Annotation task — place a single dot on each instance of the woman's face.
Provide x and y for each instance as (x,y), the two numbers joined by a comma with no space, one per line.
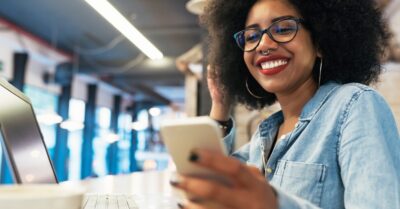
(289,65)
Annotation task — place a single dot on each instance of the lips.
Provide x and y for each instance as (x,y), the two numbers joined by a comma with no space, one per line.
(272,65)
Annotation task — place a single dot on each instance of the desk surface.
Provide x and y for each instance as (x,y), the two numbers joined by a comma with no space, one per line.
(151,182)
(149,186)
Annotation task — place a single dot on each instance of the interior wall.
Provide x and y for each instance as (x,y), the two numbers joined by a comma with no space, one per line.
(389,86)
(42,58)
(5,61)
(79,88)
(34,76)
(105,96)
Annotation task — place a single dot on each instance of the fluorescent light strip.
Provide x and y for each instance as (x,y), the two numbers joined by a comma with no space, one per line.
(116,19)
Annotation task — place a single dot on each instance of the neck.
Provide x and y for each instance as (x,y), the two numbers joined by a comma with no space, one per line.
(293,101)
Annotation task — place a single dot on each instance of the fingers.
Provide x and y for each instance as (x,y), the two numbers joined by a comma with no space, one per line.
(226,166)
(211,72)
(211,78)
(256,172)
(200,190)
(251,190)
(204,205)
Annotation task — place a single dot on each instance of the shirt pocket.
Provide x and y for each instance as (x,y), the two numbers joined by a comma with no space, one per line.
(305,180)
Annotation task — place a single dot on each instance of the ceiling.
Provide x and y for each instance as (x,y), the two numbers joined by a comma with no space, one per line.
(75,28)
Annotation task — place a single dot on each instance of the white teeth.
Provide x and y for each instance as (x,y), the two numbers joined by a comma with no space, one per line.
(272,64)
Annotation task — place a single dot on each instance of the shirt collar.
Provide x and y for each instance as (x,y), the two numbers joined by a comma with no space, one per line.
(270,126)
(319,98)
(309,110)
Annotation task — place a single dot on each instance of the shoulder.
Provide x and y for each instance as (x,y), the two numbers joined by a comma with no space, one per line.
(341,97)
(354,89)
(355,100)
(362,105)
(355,93)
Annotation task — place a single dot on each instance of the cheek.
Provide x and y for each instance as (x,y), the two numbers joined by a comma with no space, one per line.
(306,55)
(247,59)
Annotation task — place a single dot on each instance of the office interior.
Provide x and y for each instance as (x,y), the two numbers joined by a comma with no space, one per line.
(100,95)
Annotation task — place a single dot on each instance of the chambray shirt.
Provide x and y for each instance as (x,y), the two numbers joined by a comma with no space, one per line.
(344,152)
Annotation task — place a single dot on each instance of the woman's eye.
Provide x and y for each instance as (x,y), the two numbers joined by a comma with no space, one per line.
(284,30)
(252,37)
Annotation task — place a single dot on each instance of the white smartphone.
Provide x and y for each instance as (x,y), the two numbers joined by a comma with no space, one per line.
(182,136)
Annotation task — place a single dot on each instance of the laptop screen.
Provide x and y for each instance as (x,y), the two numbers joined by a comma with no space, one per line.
(22,140)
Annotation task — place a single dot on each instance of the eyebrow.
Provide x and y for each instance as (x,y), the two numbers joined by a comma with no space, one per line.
(281,17)
(272,21)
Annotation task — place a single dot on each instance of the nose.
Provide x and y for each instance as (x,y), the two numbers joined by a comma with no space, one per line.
(266,43)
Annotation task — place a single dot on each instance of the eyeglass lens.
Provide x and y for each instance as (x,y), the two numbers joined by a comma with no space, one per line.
(282,31)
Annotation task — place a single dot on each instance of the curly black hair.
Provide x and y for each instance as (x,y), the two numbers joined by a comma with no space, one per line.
(350,34)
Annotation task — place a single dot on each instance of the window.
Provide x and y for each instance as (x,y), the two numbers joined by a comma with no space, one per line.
(142,127)
(75,137)
(124,143)
(101,141)
(151,153)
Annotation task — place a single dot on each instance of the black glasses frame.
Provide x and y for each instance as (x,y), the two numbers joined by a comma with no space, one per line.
(237,35)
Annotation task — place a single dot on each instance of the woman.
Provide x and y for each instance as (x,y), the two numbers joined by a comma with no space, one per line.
(335,143)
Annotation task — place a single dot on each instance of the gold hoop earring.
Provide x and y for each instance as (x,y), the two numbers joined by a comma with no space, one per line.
(320,73)
(251,93)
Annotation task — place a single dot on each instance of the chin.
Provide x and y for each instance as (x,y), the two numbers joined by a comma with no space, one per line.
(272,86)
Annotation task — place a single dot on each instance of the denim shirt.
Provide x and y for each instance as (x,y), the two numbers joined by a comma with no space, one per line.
(344,152)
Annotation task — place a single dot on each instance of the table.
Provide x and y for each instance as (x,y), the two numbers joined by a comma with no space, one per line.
(152,188)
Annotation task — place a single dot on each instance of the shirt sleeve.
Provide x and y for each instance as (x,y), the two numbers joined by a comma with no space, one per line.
(242,153)
(229,139)
(369,154)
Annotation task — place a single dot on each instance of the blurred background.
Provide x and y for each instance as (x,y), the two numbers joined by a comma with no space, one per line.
(102,75)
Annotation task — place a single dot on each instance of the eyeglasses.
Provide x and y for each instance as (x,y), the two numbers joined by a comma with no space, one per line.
(281,31)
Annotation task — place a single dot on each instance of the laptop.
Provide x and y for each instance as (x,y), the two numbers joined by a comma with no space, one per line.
(30,163)
(22,140)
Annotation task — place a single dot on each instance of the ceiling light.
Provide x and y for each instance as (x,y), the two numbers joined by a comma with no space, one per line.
(111,137)
(155,111)
(196,68)
(139,125)
(49,119)
(196,6)
(72,125)
(113,16)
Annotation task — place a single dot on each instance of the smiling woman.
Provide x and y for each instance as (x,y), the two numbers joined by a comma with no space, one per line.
(315,58)
(348,51)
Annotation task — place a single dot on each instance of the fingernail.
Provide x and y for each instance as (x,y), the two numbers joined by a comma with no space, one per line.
(174,183)
(181,206)
(174,180)
(193,157)
(195,200)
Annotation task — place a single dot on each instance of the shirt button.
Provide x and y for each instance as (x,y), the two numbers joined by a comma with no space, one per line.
(269,170)
(297,125)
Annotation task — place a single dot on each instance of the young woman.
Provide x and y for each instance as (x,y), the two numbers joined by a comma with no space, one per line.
(334,144)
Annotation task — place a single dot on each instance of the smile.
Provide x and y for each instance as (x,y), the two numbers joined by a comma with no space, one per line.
(273,64)
(271,67)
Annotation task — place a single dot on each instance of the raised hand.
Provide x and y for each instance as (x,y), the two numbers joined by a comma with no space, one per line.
(221,101)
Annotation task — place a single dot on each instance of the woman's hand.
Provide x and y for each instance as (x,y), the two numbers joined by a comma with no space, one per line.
(221,101)
(248,188)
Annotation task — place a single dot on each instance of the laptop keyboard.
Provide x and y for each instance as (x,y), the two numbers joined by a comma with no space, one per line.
(128,201)
(109,201)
